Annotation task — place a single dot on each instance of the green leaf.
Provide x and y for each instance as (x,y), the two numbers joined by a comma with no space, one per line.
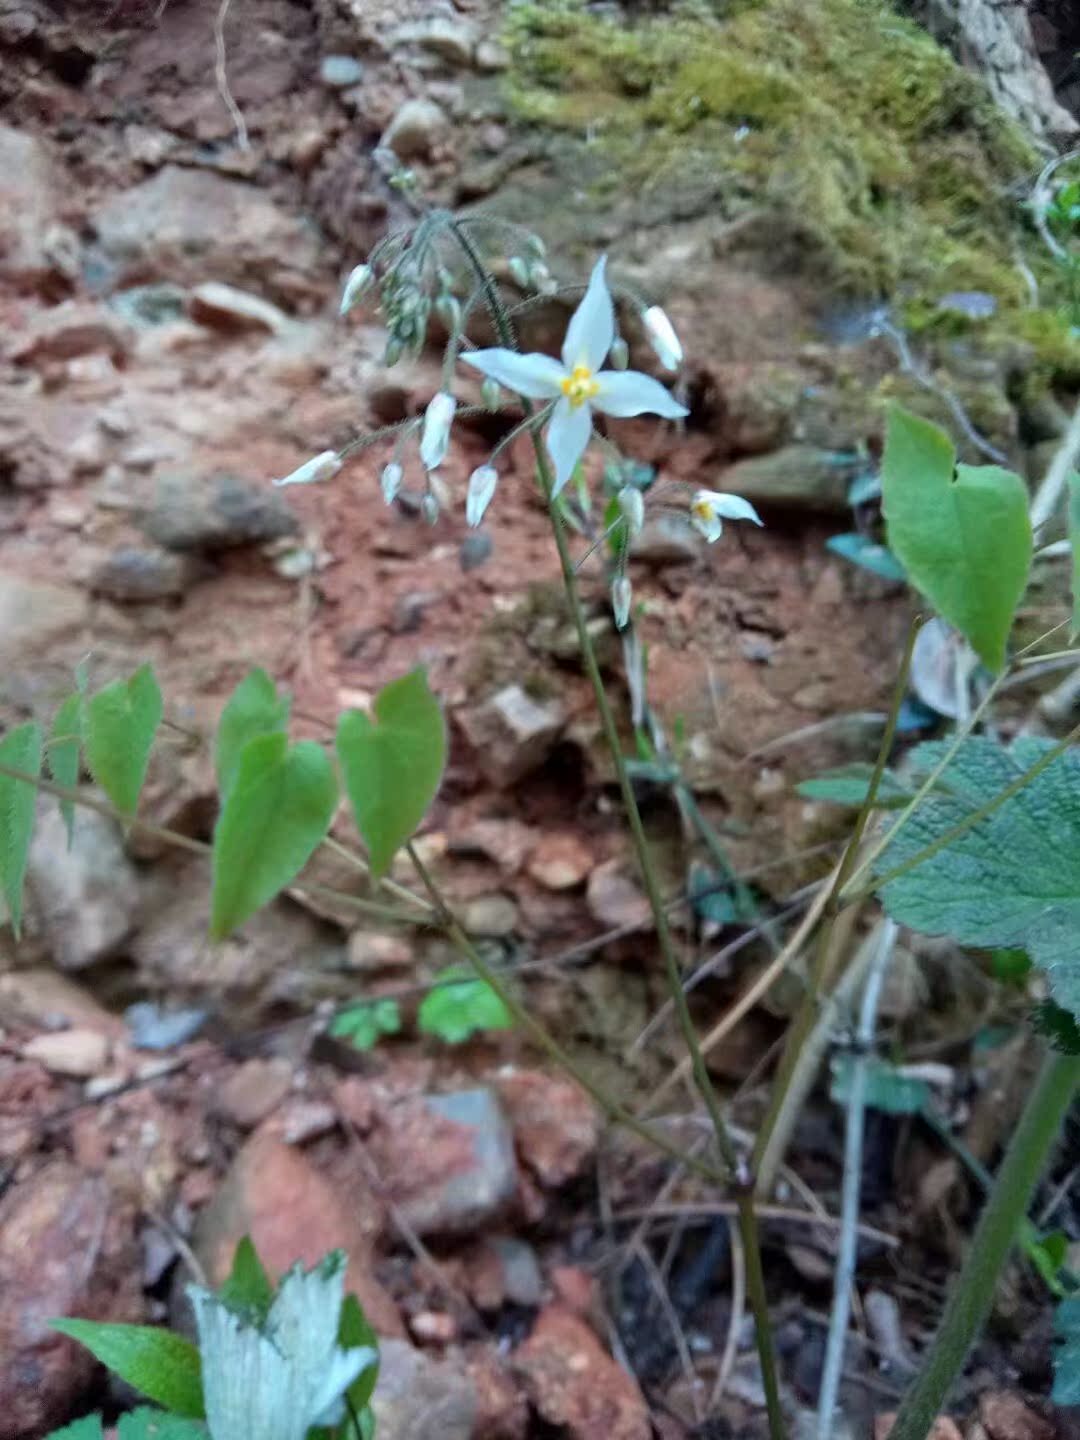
(254,708)
(1046,1253)
(354,1333)
(962,532)
(460,1005)
(1067,1355)
(88,1428)
(850,785)
(867,554)
(277,810)
(392,766)
(248,1286)
(1058,1027)
(63,752)
(1011,967)
(1074,541)
(146,1424)
(363,1024)
(119,725)
(1012,881)
(20,750)
(159,1364)
(886,1088)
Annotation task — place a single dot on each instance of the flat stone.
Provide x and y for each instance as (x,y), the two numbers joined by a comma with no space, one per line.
(415,128)
(667,540)
(449,39)
(74,328)
(795,477)
(448,1161)
(253,1091)
(560,861)
(418,1398)
(374,950)
(615,900)
(228,308)
(30,189)
(512,733)
(492,917)
(136,574)
(34,615)
(77,1054)
(575,1385)
(86,895)
(215,512)
(273,1193)
(44,999)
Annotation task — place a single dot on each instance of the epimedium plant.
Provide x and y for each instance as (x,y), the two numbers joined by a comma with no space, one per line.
(938,846)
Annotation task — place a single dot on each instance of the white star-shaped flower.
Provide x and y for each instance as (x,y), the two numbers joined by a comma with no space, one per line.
(710,508)
(577,384)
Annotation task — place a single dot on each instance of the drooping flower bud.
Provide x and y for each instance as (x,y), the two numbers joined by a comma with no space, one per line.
(619,354)
(621,596)
(390,480)
(661,336)
(393,352)
(491,393)
(356,286)
(541,278)
(519,271)
(632,505)
(482,484)
(435,440)
(448,310)
(429,508)
(535,246)
(321,467)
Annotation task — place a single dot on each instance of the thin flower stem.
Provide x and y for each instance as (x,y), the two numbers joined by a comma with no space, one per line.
(970,1302)
(547,1042)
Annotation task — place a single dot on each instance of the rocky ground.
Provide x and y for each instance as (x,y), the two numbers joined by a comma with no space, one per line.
(173,234)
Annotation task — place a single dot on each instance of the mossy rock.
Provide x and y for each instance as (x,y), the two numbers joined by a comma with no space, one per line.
(878,165)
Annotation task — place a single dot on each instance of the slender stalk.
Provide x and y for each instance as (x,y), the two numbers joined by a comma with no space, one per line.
(611,1107)
(884,943)
(759,1305)
(995,1234)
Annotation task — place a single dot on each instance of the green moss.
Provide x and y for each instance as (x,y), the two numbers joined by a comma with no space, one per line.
(887,162)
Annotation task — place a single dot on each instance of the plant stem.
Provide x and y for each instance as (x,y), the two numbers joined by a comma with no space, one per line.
(611,1107)
(995,1234)
(759,1306)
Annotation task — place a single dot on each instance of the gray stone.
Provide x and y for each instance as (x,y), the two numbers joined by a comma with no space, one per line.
(418,1398)
(134,574)
(33,615)
(29,201)
(492,56)
(797,477)
(667,540)
(449,39)
(512,733)
(340,71)
(492,917)
(476,550)
(473,1196)
(415,128)
(86,897)
(522,1280)
(149,305)
(215,512)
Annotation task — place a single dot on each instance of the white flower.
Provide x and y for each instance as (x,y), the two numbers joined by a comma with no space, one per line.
(621,595)
(435,440)
(390,480)
(710,508)
(577,383)
(277,1379)
(322,467)
(632,505)
(661,336)
(429,508)
(482,484)
(356,286)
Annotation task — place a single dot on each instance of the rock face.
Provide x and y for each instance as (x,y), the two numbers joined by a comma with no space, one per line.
(274,1194)
(215,512)
(29,187)
(512,733)
(66,1248)
(575,1384)
(194,225)
(86,895)
(35,617)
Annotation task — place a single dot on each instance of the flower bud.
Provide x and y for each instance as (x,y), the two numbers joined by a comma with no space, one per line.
(621,596)
(491,393)
(519,271)
(661,336)
(390,480)
(393,352)
(356,286)
(535,247)
(449,311)
(435,440)
(322,467)
(619,354)
(632,505)
(429,508)
(482,484)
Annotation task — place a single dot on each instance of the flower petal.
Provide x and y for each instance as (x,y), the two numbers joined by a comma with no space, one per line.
(661,336)
(567,436)
(321,467)
(631,393)
(482,483)
(710,525)
(435,437)
(592,325)
(538,377)
(249,1388)
(729,507)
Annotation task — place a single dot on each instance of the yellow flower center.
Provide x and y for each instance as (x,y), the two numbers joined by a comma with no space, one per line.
(703,509)
(580,385)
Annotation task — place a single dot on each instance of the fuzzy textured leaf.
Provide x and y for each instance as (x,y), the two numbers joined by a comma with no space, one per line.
(392,765)
(850,785)
(277,810)
(158,1363)
(254,708)
(1011,881)
(88,1428)
(961,532)
(119,725)
(64,752)
(20,749)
